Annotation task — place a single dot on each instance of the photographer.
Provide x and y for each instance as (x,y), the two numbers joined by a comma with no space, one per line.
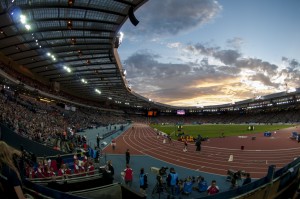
(10,179)
(172,180)
(143,181)
(163,171)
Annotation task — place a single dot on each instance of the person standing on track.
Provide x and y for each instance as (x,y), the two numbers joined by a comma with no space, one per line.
(185,145)
(98,141)
(170,139)
(198,145)
(113,144)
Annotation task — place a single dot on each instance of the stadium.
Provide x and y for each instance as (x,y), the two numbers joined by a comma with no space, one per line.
(69,114)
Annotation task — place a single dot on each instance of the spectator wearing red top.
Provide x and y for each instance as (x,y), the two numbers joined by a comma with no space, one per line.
(128,175)
(68,170)
(61,171)
(213,188)
(51,173)
(76,167)
(91,168)
(40,172)
(82,169)
(46,171)
(31,173)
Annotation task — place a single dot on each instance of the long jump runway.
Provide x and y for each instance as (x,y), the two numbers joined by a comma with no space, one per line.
(217,155)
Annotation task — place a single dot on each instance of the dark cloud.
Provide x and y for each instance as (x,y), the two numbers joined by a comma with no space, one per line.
(263,79)
(168,82)
(229,70)
(293,65)
(196,78)
(257,65)
(201,49)
(144,63)
(170,17)
(228,57)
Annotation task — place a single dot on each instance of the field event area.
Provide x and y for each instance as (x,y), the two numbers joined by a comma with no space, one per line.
(216,130)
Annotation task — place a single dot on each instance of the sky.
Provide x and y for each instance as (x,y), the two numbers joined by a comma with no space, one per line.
(212,52)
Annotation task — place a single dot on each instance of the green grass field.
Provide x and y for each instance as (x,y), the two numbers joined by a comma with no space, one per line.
(215,130)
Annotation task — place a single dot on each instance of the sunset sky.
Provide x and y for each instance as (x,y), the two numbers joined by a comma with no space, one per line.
(206,52)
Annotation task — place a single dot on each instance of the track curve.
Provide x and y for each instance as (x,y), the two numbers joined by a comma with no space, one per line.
(278,150)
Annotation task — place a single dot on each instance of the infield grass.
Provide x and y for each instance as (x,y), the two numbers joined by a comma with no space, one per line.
(215,130)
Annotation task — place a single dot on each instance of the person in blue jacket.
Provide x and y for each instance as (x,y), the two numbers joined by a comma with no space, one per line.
(172,180)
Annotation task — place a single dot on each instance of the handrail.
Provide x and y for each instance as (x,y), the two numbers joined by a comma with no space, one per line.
(95,188)
(71,177)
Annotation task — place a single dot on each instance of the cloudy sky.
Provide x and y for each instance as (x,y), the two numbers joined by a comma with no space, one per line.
(210,52)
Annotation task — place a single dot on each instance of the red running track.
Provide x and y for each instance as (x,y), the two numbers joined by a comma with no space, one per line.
(257,155)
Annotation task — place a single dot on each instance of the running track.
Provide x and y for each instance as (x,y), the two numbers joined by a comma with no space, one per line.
(213,158)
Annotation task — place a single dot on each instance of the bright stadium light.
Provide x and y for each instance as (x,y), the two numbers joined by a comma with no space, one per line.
(67,69)
(121,35)
(23,19)
(97,91)
(118,39)
(28,27)
(83,81)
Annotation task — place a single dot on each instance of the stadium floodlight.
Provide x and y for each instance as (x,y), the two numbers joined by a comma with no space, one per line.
(97,91)
(67,69)
(23,19)
(83,81)
(118,39)
(124,72)
(27,26)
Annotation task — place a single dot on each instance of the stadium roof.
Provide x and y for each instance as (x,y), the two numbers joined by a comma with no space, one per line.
(72,42)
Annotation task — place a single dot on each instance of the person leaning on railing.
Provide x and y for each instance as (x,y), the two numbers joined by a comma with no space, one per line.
(10,179)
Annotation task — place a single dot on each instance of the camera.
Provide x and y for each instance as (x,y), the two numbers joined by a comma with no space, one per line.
(163,171)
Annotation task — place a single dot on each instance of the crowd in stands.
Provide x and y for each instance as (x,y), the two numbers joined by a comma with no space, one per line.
(46,122)
(58,169)
(289,115)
